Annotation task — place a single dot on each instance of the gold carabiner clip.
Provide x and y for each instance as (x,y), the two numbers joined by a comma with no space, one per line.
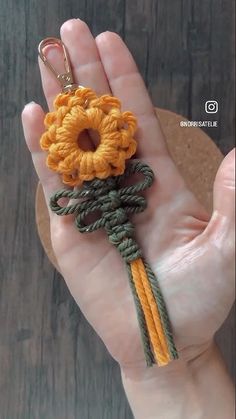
(65,79)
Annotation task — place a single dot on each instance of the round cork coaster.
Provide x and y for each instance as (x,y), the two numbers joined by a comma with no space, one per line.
(194,153)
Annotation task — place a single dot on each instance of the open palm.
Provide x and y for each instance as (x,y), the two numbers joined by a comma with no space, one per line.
(191,255)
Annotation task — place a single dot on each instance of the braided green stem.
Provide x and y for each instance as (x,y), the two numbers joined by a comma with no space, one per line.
(115,203)
(150,360)
(162,310)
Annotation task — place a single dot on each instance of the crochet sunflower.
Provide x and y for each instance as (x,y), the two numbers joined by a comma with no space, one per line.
(76,112)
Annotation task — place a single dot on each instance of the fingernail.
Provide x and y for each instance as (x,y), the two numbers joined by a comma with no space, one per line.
(30,103)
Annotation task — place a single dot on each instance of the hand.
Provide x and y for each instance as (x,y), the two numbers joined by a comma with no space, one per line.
(191,253)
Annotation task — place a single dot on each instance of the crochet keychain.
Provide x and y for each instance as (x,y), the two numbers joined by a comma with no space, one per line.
(95,179)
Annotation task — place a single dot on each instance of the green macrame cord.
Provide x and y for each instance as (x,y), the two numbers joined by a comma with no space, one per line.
(115,203)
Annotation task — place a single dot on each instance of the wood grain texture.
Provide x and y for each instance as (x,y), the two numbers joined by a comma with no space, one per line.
(52,365)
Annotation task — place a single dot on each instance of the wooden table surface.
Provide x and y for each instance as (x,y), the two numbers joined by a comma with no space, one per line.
(52,364)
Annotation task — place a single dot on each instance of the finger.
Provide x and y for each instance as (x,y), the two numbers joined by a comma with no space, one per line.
(222,223)
(33,126)
(224,187)
(86,66)
(84,56)
(127,84)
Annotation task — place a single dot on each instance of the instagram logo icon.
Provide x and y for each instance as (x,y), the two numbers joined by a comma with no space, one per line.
(211,106)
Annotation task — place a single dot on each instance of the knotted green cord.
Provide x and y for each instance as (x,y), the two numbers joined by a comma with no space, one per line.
(116,203)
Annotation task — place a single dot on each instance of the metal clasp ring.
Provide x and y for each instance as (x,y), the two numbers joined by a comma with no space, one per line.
(65,79)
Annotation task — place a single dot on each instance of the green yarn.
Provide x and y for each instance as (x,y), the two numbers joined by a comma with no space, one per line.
(111,204)
(162,310)
(114,204)
(150,360)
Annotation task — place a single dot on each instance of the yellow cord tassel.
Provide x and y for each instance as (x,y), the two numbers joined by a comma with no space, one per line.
(76,110)
(151,314)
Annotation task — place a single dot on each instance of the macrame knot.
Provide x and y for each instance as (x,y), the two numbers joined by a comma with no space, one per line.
(113,202)
(120,232)
(100,199)
(115,199)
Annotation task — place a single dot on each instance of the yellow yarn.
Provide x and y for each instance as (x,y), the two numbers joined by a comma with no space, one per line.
(78,109)
(150,310)
(75,112)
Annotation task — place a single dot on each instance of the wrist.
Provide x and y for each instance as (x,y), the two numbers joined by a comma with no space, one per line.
(183,389)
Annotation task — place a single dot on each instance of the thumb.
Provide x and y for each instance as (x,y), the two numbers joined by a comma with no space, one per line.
(224,188)
(222,222)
